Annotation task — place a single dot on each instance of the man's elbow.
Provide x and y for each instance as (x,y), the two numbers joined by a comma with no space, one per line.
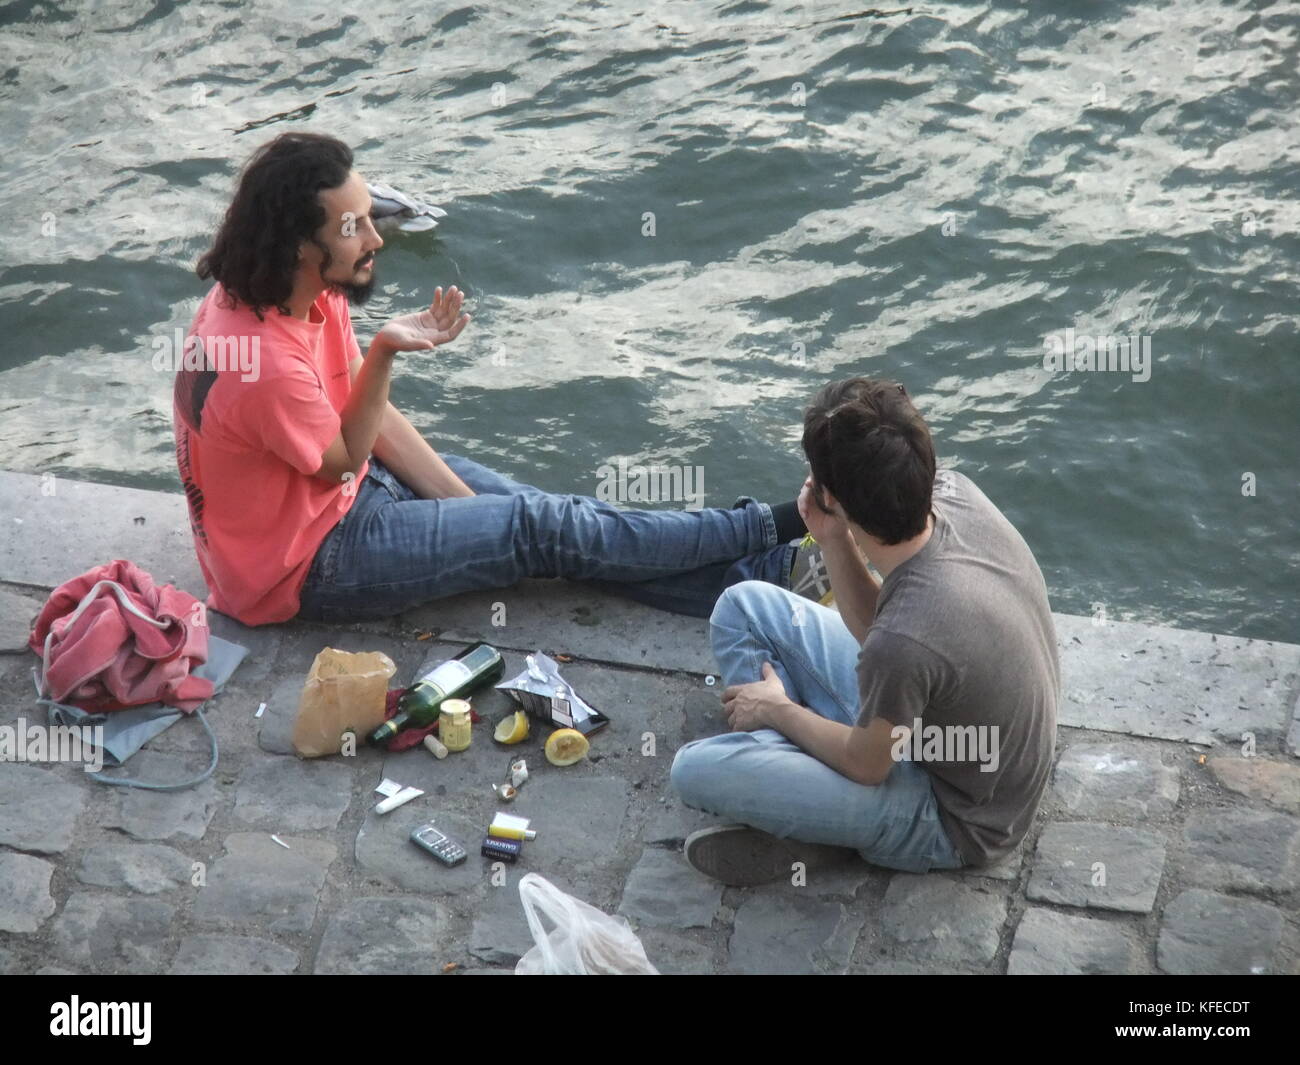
(873,776)
(335,473)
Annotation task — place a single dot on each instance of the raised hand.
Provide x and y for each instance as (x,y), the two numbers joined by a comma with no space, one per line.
(424,330)
(823,527)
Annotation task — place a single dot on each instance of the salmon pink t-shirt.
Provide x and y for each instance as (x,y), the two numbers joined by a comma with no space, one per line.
(252,421)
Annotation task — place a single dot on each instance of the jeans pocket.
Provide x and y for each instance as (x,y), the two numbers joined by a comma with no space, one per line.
(383,476)
(325,565)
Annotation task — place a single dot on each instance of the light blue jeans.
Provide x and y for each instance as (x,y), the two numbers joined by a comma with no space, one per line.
(393,550)
(763,780)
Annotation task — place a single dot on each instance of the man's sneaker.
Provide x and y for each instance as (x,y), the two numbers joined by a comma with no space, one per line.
(809,577)
(741,856)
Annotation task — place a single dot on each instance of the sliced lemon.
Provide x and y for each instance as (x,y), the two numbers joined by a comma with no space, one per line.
(566,746)
(512,729)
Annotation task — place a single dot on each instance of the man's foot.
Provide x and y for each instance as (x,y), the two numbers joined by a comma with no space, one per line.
(808,575)
(789,523)
(741,856)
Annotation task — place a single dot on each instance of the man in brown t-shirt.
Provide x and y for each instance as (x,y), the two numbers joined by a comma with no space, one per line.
(918,724)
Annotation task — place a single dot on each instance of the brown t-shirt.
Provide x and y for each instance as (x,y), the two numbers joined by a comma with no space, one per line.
(963,641)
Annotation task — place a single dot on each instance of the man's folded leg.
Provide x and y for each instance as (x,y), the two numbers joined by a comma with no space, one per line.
(762,780)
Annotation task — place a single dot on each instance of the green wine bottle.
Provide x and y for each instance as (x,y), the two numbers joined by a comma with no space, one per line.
(417,707)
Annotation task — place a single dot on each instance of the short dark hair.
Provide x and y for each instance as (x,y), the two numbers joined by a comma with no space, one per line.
(275,209)
(871,449)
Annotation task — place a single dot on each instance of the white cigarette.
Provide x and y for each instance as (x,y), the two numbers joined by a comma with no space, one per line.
(260,710)
(281,842)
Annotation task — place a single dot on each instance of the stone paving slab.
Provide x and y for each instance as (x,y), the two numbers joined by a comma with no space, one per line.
(1274,782)
(39,808)
(937,919)
(384,936)
(1205,933)
(1174,684)
(1293,736)
(160,815)
(18,612)
(569,618)
(1056,944)
(218,955)
(662,890)
(143,868)
(108,526)
(500,935)
(1099,866)
(1115,782)
(122,935)
(1243,850)
(383,850)
(779,934)
(25,901)
(671,821)
(678,955)
(291,795)
(258,881)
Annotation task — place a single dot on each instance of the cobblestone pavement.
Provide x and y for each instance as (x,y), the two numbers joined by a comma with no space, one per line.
(1159,847)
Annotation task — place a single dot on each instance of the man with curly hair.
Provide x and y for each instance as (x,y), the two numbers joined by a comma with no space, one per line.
(311,495)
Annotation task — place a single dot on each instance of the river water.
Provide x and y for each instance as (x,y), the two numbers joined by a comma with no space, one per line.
(675,223)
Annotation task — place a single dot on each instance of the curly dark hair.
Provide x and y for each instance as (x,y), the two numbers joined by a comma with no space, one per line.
(275,209)
(871,449)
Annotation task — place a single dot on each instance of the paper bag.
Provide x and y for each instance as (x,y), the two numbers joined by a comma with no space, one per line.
(344,693)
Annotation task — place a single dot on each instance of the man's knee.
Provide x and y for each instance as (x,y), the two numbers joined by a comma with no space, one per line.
(740,603)
(684,770)
(693,772)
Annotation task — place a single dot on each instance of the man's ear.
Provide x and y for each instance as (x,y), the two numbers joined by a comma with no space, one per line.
(828,502)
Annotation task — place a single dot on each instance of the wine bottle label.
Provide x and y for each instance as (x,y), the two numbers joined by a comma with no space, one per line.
(449,676)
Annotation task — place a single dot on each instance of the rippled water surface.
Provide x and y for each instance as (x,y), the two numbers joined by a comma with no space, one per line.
(926,194)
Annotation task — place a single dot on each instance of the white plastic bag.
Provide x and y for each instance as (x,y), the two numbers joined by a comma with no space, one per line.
(584,942)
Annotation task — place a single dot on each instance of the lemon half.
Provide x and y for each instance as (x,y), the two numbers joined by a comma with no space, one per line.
(566,746)
(512,729)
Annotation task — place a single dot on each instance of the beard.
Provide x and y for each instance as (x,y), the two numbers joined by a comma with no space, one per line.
(357,292)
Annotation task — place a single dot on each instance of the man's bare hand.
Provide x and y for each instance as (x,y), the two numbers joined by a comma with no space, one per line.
(824,527)
(425,330)
(750,706)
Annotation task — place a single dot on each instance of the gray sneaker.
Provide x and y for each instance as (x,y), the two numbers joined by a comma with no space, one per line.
(741,856)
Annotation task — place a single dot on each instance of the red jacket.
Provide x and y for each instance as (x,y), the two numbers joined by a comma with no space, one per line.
(111,639)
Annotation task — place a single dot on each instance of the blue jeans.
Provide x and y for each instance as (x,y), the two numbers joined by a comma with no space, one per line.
(763,780)
(393,550)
